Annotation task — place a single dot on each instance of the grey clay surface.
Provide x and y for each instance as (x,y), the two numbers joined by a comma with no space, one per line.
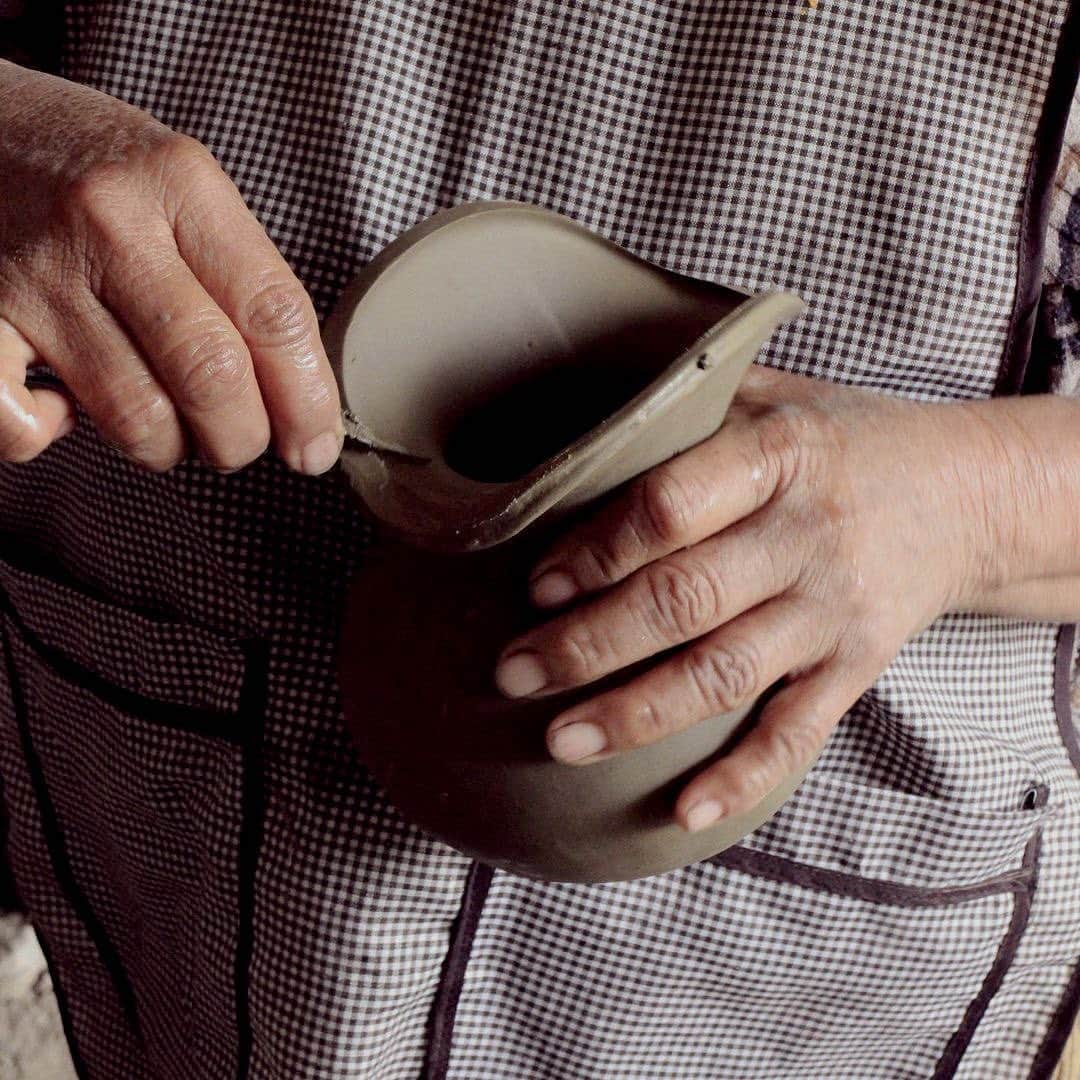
(514,367)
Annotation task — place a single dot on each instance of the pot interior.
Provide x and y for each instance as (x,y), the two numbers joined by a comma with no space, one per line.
(498,338)
(506,433)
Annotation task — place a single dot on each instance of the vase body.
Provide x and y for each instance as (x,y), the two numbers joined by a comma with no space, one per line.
(502,369)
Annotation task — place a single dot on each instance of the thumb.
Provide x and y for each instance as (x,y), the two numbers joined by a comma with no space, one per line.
(30,418)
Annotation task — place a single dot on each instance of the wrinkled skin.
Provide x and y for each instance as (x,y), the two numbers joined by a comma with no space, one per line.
(131,266)
(804,543)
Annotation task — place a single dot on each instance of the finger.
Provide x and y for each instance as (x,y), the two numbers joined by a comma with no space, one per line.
(786,739)
(30,419)
(190,344)
(270,308)
(722,672)
(105,372)
(679,503)
(666,603)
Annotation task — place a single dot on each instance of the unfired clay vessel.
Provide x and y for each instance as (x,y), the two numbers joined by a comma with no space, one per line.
(502,368)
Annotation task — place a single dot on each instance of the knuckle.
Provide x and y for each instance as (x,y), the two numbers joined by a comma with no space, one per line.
(666,507)
(788,749)
(612,554)
(185,150)
(186,176)
(751,785)
(279,314)
(679,600)
(781,444)
(178,160)
(108,243)
(119,267)
(726,676)
(581,653)
(216,370)
(634,722)
(597,563)
(629,542)
(132,420)
(867,644)
(94,191)
(93,220)
(128,156)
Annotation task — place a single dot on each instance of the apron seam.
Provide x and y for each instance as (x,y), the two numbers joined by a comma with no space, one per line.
(1035,207)
(1022,902)
(57,847)
(869,890)
(254,697)
(452,976)
(1061,1026)
(193,719)
(1063,667)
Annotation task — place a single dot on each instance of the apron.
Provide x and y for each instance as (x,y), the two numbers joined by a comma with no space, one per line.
(221,889)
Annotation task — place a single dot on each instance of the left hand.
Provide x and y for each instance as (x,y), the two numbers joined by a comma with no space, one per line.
(805,542)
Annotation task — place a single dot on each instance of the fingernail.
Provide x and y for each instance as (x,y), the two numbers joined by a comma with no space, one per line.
(577,741)
(703,814)
(67,426)
(553,587)
(521,674)
(320,453)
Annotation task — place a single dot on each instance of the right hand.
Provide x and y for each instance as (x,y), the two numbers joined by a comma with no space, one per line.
(131,266)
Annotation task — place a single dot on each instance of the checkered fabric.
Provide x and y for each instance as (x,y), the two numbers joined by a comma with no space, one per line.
(220,886)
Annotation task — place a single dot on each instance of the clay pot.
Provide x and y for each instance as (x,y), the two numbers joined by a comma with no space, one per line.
(502,368)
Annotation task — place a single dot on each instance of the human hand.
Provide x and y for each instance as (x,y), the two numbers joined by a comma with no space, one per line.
(804,543)
(131,266)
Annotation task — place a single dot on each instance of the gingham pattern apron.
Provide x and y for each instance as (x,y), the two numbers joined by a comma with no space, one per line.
(221,889)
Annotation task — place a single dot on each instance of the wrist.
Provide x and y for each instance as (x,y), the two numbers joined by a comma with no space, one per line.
(959,535)
(1017,479)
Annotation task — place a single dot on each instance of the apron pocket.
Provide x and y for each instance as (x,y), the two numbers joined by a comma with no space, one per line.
(140,740)
(834,823)
(876,958)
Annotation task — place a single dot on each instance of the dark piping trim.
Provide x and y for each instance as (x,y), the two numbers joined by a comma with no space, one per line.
(444,1009)
(784,871)
(1063,665)
(958,1044)
(1035,210)
(1061,1027)
(253,702)
(211,723)
(57,848)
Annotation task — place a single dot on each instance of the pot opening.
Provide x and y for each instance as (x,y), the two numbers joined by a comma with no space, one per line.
(506,436)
